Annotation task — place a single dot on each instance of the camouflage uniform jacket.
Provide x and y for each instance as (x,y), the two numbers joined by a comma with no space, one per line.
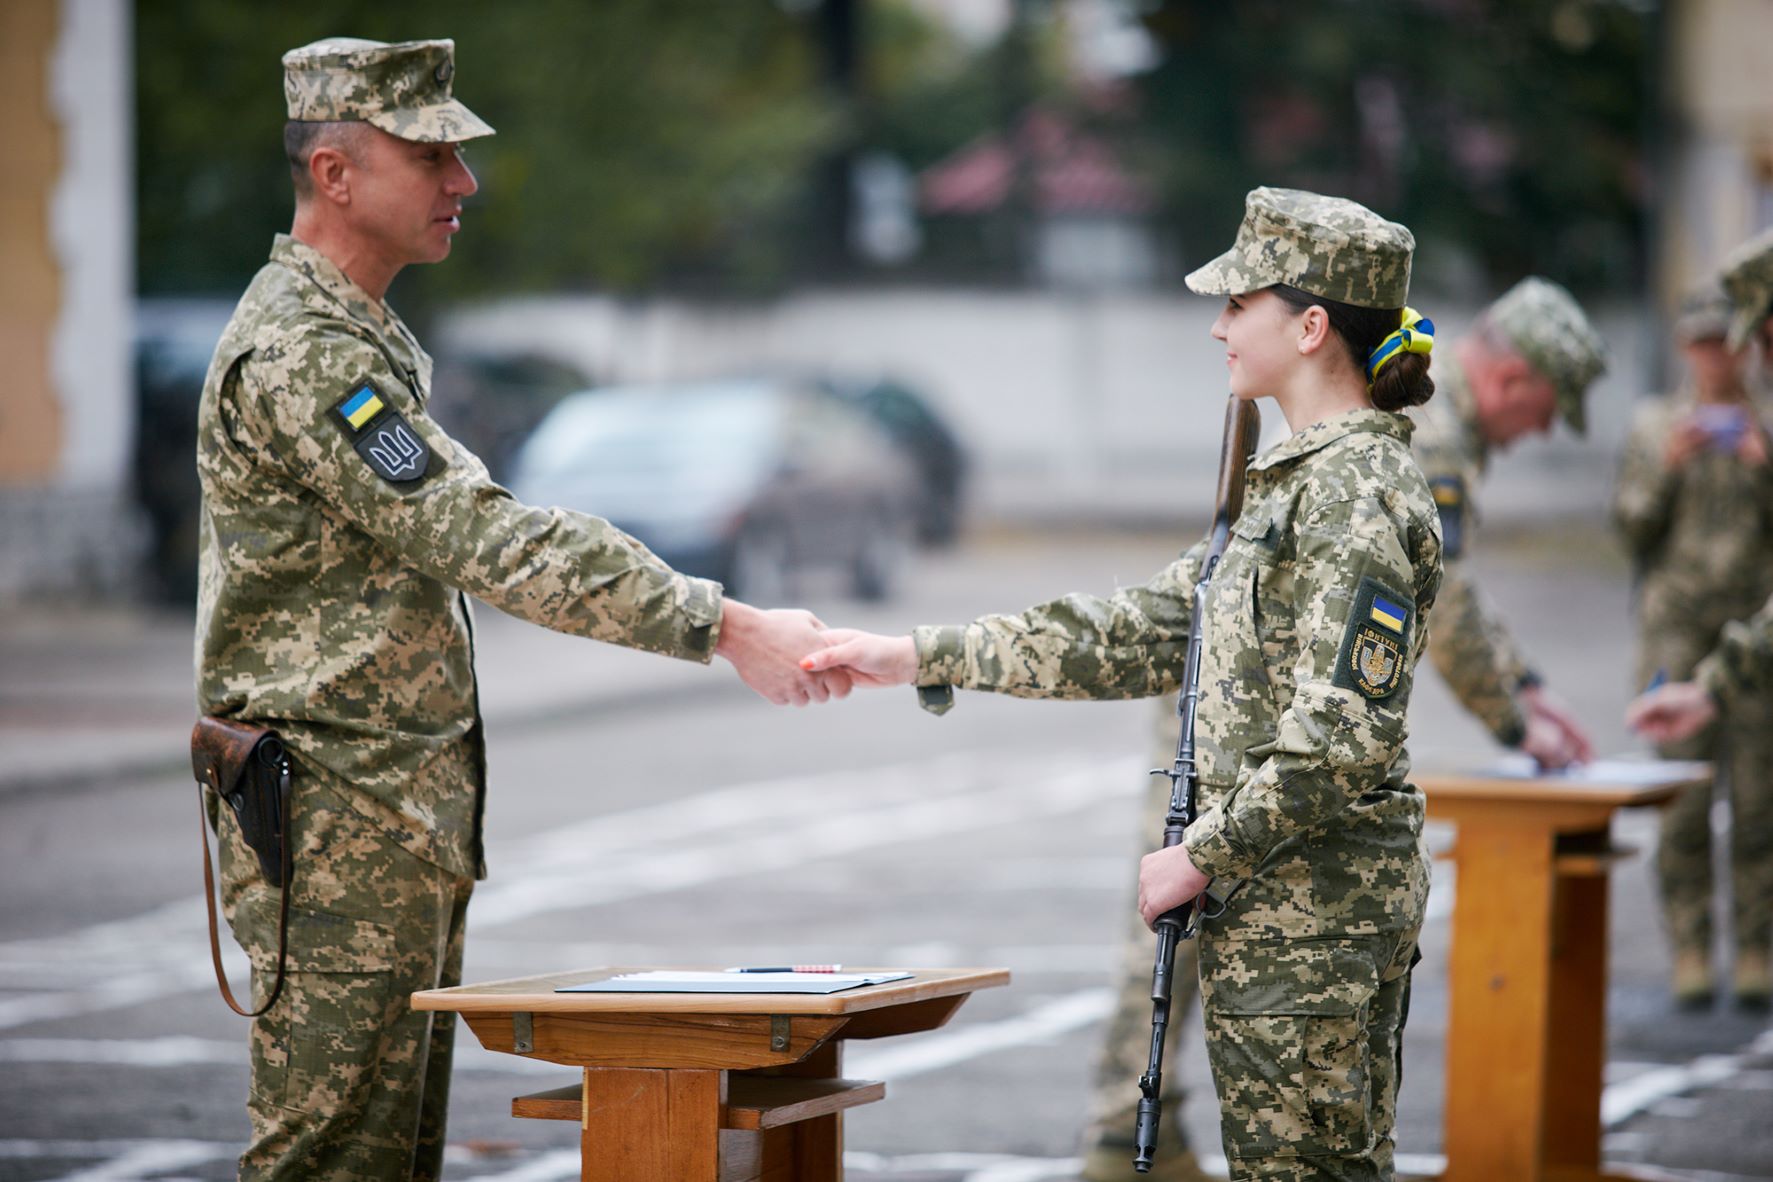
(1316,616)
(1701,536)
(1470,647)
(1743,661)
(328,602)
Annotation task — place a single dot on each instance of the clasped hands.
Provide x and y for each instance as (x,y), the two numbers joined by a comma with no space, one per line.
(789,657)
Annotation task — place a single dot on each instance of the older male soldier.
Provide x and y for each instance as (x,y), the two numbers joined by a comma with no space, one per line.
(1532,355)
(342,532)
(1736,675)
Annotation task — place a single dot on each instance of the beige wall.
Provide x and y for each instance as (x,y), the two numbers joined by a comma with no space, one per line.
(1720,187)
(30,281)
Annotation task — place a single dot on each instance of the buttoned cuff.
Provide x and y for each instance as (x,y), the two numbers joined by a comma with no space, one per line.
(941,663)
(1510,728)
(703,605)
(1211,850)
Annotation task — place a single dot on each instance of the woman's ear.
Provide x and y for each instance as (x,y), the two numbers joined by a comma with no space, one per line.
(1314,329)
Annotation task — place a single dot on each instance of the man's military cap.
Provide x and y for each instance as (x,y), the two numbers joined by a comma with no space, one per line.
(1704,315)
(1748,277)
(1547,327)
(406,89)
(1328,246)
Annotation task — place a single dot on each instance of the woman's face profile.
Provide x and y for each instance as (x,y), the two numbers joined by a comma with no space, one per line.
(1261,342)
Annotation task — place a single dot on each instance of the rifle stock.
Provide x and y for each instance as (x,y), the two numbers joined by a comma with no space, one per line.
(1242,425)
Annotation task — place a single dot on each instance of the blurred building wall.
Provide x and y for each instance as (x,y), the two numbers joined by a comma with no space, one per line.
(66,289)
(1720,139)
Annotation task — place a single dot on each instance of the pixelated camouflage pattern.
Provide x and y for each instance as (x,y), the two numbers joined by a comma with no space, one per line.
(1742,663)
(1701,541)
(1469,645)
(406,89)
(1547,326)
(1303,783)
(330,601)
(1305,1040)
(1704,315)
(1126,1041)
(1309,821)
(348,1081)
(1747,276)
(1328,246)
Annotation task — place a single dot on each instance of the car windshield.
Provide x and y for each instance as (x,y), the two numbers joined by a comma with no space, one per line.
(651,432)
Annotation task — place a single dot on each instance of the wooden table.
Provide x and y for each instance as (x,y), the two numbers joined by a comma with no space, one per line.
(702,1087)
(1526,1030)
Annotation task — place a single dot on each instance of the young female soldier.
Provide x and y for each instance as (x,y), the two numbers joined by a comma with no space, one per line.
(1316,617)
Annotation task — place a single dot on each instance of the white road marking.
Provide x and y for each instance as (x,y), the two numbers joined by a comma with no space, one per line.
(931,1052)
(1624,1100)
(726,833)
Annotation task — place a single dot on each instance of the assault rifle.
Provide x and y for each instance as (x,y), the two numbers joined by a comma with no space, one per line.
(1242,425)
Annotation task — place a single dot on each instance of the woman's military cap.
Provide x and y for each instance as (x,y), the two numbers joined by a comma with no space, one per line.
(1546,326)
(1328,246)
(406,89)
(1748,277)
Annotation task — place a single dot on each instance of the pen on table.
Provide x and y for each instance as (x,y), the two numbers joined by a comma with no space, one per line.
(788,968)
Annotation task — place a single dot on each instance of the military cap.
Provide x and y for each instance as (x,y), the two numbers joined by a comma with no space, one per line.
(1328,246)
(1748,277)
(1704,315)
(406,89)
(1547,327)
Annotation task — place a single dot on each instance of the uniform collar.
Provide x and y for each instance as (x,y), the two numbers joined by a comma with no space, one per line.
(333,285)
(1325,432)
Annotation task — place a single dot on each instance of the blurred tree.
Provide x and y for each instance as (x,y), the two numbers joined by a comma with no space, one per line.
(1512,131)
(641,139)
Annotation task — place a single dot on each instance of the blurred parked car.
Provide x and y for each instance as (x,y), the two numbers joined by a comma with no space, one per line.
(747,481)
(928,442)
(488,400)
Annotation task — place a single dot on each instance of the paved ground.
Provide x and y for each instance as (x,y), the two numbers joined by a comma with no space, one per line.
(648,811)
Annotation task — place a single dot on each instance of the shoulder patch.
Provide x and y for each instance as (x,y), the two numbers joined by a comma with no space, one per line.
(1449,502)
(385,440)
(1376,647)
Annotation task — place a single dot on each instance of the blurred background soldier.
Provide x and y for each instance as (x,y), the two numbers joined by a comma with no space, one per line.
(1737,676)
(1532,355)
(1695,504)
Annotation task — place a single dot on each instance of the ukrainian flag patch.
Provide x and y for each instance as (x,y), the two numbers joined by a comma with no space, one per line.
(1375,652)
(1383,611)
(361,408)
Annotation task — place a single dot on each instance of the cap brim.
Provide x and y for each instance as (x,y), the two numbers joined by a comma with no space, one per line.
(1573,413)
(448,122)
(1227,275)
(1743,324)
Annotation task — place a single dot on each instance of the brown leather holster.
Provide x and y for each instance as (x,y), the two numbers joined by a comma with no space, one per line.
(247,767)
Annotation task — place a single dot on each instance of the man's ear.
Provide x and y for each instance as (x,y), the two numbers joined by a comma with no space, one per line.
(1314,329)
(329,172)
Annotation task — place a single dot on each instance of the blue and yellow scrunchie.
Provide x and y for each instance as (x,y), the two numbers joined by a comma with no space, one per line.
(1414,335)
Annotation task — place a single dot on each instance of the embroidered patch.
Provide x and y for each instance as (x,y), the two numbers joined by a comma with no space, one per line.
(385,440)
(1374,650)
(1449,502)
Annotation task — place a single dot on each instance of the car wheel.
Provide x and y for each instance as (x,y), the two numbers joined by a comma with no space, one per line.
(758,572)
(880,560)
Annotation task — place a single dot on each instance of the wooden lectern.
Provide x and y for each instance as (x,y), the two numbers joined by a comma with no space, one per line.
(702,1087)
(1526,1030)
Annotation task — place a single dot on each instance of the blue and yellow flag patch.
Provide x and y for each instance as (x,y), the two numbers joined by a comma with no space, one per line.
(361,407)
(382,436)
(1375,652)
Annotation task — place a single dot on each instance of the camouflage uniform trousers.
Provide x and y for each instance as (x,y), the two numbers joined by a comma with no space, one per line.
(1305,1038)
(348,1081)
(1126,1044)
(1741,748)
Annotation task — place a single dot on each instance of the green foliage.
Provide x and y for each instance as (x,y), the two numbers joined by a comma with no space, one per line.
(638,138)
(1511,131)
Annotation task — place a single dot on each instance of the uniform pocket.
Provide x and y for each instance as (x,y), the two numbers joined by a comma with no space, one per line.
(1288,1040)
(317,1048)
